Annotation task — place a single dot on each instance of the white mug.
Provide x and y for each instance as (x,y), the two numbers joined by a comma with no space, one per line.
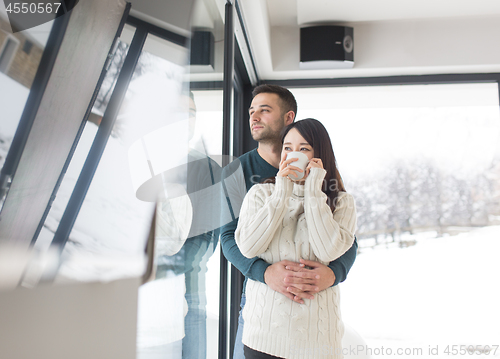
(301,163)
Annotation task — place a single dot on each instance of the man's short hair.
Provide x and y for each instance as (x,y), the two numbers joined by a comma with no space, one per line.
(288,102)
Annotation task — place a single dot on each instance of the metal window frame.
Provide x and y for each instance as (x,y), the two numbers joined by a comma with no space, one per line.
(206,85)
(227,101)
(244,46)
(158,31)
(390,80)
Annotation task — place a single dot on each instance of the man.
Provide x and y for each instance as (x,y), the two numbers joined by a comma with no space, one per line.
(273,107)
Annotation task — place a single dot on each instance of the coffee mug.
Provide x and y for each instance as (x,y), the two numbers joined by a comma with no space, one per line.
(301,163)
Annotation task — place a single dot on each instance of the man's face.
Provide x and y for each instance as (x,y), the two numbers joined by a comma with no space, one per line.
(266,120)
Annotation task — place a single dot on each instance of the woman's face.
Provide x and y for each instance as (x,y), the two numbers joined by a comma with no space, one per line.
(294,142)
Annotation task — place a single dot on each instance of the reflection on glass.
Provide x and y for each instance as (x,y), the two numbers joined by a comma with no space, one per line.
(423,163)
(180,168)
(208,133)
(113,224)
(71,176)
(163,155)
(187,235)
(168,165)
(208,129)
(20,55)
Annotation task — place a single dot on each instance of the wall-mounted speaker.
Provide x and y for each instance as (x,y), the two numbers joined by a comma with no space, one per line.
(326,47)
(202,48)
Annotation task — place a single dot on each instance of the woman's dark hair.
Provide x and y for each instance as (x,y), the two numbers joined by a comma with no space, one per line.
(317,136)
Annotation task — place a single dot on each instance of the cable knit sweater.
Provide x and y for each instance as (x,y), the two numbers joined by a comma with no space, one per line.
(291,221)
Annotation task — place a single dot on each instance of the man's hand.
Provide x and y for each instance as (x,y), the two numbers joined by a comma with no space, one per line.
(299,281)
(322,277)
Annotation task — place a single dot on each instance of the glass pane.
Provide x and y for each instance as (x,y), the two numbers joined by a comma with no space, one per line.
(20,55)
(136,150)
(208,137)
(201,338)
(423,163)
(65,190)
(184,322)
(208,129)
(178,311)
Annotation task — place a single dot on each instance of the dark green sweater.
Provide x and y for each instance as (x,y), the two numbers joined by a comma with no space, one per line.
(255,170)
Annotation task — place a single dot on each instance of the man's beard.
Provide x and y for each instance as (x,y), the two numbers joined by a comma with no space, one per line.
(266,135)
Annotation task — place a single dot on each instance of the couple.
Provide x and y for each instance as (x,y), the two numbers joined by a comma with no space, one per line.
(299,238)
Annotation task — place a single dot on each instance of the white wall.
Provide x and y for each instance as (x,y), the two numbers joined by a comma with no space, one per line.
(456,45)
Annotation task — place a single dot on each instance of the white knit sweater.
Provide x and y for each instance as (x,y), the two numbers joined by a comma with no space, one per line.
(290,221)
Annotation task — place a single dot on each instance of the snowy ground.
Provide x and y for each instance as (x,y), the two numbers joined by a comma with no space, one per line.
(440,293)
(423,301)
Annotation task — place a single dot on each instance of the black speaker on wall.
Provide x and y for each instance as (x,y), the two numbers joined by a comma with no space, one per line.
(326,47)
(202,48)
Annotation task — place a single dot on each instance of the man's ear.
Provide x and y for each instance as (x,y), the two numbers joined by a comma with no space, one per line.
(289,117)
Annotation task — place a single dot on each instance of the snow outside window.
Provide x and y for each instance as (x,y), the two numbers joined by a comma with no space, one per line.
(423,163)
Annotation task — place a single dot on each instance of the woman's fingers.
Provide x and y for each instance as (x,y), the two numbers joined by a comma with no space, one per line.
(286,162)
(287,169)
(292,171)
(315,162)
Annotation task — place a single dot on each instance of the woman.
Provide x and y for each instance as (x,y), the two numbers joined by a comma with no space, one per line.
(313,219)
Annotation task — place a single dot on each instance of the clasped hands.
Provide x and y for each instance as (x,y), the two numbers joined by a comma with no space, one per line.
(299,281)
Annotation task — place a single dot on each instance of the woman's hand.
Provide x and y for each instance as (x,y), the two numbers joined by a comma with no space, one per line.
(285,169)
(313,163)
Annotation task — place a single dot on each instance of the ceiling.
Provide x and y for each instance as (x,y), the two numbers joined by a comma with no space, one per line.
(298,12)
(391,37)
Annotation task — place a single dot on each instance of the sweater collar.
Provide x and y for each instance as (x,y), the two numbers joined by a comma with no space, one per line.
(298,190)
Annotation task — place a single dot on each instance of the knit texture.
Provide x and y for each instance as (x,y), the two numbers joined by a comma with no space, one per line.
(287,221)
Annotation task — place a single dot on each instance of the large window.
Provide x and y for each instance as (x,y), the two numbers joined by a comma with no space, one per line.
(149,151)
(423,163)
